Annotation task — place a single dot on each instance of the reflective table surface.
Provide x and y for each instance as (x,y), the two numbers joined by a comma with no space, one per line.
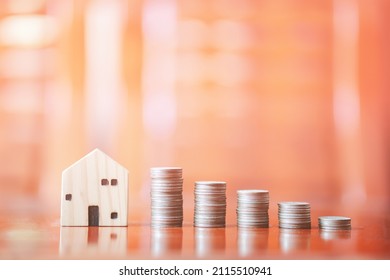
(33,232)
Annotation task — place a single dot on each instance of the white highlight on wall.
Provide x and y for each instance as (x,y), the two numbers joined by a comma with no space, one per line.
(346,102)
(104,86)
(159,72)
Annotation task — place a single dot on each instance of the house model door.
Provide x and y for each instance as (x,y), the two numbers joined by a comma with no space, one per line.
(93,215)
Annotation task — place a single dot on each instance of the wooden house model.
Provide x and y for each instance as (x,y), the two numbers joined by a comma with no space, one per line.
(94,192)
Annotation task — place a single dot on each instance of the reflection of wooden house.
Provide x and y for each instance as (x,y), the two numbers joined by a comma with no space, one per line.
(94,192)
(99,242)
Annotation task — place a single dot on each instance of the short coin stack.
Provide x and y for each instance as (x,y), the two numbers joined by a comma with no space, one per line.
(334,223)
(294,215)
(166,197)
(210,204)
(252,208)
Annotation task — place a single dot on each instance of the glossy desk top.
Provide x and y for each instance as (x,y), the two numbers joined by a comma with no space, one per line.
(33,234)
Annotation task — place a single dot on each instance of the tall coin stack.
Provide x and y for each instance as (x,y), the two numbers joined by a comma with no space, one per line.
(252,208)
(210,204)
(294,215)
(334,223)
(166,196)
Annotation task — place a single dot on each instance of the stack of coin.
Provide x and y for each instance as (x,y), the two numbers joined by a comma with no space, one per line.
(334,223)
(252,208)
(294,215)
(210,204)
(166,197)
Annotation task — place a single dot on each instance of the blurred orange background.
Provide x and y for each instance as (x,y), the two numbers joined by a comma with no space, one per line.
(286,95)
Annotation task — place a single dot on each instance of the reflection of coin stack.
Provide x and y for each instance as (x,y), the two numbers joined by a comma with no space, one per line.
(210,204)
(166,197)
(294,215)
(335,234)
(294,239)
(166,241)
(252,241)
(252,208)
(209,241)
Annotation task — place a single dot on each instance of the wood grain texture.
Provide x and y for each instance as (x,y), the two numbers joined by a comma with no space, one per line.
(83,181)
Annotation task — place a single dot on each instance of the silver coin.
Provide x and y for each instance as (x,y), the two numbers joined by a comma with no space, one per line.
(308,226)
(209,221)
(335,227)
(166,226)
(166,193)
(210,205)
(166,187)
(211,196)
(178,190)
(249,214)
(253,226)
(253,211)
(166,170)
(210,217)
(294,211)
(165,183)
(221,203)
(205,212)
(165,212)
(292,217)
(253,207)
(210,183)
(252,203)
(335,224)
(253,192)
(166,202)
(334,219)
(252,222)
(253,218)
(210,226)
(289,221)
(169,220)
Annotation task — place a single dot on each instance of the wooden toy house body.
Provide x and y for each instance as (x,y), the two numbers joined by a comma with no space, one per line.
(94,192)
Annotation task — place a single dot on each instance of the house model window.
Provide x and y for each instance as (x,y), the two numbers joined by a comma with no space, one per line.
(87,183)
